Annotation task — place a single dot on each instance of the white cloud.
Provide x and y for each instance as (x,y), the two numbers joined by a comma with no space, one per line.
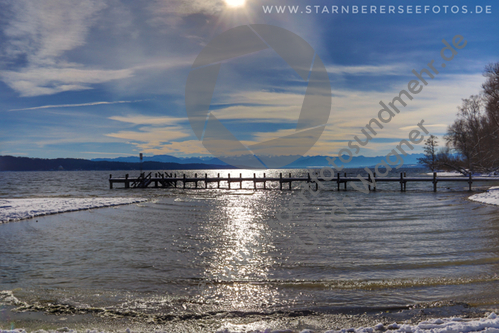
(395,69)
(188,147)
(158,135)
(352,110)
(39,33)
(72,105)
(36,81)
(171,12)
(43,30)
(182,7)
(151,136)
(147,120)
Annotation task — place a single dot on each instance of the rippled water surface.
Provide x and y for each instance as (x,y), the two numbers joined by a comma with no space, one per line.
(199,251)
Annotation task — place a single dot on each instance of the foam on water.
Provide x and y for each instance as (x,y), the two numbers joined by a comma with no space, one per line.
(20,209)
(490,324)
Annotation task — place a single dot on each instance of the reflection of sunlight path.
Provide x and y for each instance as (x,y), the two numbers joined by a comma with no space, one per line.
(239,265)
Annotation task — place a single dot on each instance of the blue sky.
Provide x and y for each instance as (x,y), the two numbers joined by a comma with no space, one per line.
(92,79)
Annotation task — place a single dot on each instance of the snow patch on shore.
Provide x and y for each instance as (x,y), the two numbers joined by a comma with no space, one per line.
(458,174)
(20,209)
(446,174)
(490,197)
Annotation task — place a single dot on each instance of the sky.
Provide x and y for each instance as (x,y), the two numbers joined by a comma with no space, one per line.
(94,79)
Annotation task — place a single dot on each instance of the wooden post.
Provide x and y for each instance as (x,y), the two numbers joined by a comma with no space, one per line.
(184,180)
(345,181)
(175,180)
(240,180)
(205,180)
(434,182)
(369,180)
(196,181)
(229,181)
(127,182)
(374,174)
(290,186)
(110,182)
(264,181)
(470,182)
(338,180)
(401,182)
(254,181)
(218,181)
(280,180)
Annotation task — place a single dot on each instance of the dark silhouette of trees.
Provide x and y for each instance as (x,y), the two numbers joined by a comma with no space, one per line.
(430,153)
(474,135)
(491,92)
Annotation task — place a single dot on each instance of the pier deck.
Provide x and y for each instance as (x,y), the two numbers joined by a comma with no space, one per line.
(165,180)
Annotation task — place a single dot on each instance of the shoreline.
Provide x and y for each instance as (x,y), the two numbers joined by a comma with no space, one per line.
(490,197)
(14,210)
(446,318)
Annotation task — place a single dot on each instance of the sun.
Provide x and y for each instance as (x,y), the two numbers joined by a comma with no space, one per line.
(235,3)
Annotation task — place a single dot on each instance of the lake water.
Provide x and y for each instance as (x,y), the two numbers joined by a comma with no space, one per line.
(189,255)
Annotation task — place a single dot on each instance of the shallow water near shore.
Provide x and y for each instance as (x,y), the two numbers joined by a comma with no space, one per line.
(220,257)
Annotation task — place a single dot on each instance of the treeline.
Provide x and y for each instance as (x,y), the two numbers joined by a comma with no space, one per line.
(12,163)
(472,141)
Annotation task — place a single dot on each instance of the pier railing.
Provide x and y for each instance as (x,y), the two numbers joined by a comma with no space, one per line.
(165,180)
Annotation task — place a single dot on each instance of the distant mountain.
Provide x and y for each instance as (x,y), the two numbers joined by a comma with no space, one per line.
(164,159)
(167,162)
(356,162)
(301,162)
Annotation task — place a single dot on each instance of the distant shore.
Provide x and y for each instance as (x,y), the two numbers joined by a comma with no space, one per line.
(12,163)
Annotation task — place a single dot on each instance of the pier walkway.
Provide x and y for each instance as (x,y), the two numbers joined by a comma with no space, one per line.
(169,180)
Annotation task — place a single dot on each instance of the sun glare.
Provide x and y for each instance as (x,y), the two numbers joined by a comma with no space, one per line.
(235,3)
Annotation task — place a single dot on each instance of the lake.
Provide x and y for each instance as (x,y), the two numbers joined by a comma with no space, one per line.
(184,257)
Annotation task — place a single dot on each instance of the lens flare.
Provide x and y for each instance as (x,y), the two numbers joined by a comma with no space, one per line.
(235,3)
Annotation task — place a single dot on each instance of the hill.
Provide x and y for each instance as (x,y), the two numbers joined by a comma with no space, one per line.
(12,163)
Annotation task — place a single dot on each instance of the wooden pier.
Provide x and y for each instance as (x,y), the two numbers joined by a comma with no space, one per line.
(169,180)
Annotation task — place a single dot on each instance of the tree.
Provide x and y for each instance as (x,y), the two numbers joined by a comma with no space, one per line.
(466,133)
(474,136)
(430,153)
(448,161)
(491,96)
(491,92)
